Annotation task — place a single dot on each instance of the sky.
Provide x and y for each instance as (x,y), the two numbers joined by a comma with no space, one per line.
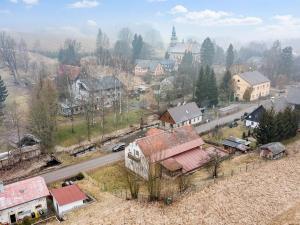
(242,20)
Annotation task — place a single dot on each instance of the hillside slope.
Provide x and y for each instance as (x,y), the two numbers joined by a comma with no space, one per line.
(258,197)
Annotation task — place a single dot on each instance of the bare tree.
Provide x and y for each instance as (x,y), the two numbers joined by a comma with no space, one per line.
(15,117)
(8,53)
(215,163)
(23,56)
(43,113)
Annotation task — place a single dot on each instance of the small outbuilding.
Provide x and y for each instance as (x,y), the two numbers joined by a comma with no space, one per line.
(67,198)
(26,198)
(272,150)
(233,144)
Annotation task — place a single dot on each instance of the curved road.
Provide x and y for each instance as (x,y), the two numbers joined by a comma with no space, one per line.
(72,170)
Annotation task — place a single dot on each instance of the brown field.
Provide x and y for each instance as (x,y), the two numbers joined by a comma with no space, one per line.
(269,195)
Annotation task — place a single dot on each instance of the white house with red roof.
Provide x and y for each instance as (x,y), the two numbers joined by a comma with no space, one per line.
(67,198)
(26,198)
(179,151)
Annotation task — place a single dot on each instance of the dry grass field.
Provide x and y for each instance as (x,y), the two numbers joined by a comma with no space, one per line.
(269,195)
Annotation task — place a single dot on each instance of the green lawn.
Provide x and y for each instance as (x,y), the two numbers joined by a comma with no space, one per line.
(65,137)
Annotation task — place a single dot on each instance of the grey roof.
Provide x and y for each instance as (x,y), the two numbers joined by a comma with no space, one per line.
(278,104)
(254,78)
(236,145)
(293,96)
(181,47)
(103,83)
(274,147)
(185,112)
(147,64)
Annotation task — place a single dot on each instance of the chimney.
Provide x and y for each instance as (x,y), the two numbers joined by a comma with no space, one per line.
(1,187)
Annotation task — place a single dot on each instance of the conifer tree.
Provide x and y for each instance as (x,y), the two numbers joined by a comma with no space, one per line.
(200,93)
(207,52)
(229,57)
(227,87)
(3,95)
(267,130)
(212,89)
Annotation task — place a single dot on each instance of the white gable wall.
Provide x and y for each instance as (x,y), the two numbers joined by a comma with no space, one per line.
(23,210)
(61,210)
(141,166)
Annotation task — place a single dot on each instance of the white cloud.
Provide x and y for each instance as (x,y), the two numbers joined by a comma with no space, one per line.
(283,26)
(13,1)
(31,2)
(178,9)
(84,4)
(210,17)
(92,23)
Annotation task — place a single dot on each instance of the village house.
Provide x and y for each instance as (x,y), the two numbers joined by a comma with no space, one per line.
(274,150)
(180,151)
(72,72)
(293,97)
(169,65)
(277,104)
(255,82)
(27,198)
(233,144)
(148,67)
(104,90)
(67,198)
(28,147)
(181,115)
(177,49)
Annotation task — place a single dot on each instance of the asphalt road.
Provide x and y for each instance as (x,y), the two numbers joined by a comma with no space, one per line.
(224,120)
(72,170)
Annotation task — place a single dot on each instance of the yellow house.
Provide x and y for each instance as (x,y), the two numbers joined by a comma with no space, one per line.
(254,82)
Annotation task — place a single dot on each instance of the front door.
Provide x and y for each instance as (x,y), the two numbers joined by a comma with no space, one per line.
(13,218)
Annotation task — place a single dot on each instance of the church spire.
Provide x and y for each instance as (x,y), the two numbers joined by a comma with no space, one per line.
(173,37)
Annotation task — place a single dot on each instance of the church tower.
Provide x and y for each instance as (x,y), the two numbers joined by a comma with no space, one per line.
(173,37)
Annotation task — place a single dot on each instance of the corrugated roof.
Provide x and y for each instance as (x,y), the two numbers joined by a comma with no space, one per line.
(293,95)
(254,78)
(102,83)
(169,143)
(147,64)
(68,194)
(22,192)
(274,147)
(196,158)
(185,112)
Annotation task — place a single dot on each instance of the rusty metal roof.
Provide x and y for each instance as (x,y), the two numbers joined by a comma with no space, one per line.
(22,192)
(68,194)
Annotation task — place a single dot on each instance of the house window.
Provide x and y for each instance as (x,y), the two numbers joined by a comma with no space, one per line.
(137,153)
(38,206)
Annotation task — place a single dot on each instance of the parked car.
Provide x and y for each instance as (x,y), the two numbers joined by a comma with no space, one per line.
(118,147)
(233,124)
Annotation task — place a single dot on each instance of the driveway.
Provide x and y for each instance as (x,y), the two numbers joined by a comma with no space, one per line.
(73,170)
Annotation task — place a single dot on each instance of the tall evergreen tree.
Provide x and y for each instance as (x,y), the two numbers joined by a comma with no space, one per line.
(212,89)
(227,87)
(286,61)
(137,45)
(207,52)
(267,130)
(200,93)
(3,95)
(229,57)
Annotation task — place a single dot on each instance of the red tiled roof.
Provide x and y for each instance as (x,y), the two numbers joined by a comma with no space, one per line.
(68,194)
(154,131)
(23,191)
(166,144)
(71,71)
